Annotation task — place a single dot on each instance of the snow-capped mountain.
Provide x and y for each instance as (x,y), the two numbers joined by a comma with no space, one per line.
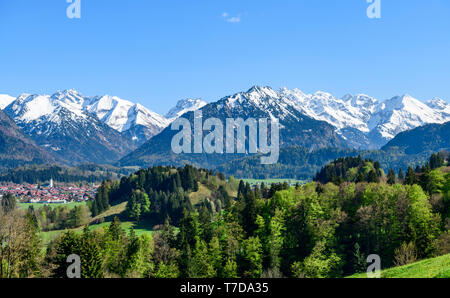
(133,120)
(363,121)
(122,114)
(439,105)
(64,122)
(399,114)
(296,129)
(349,112)
(5,100)
(68,123)
(18,149)
(61,124)
(183,106)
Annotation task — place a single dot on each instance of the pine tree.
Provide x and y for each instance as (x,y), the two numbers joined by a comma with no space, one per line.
(249,214)
(31,264)
(401,175)
(250,258)
(360,177)
(91,258)
(373,177)
(436,161)
(241,189)
(230,269)
(206,228)
(67,245)
(359,263)
(115,229)
(410,177)
(8,203)
(391,177)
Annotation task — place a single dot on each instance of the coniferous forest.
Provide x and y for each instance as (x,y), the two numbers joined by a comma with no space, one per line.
(325,228)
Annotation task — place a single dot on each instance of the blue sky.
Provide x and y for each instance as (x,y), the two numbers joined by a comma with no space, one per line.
(157,52)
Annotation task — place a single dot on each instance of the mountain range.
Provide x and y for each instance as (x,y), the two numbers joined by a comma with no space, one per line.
(78,129)
(103,129)
(312,121)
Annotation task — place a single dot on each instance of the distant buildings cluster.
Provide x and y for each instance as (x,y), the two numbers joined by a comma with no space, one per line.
(49,193)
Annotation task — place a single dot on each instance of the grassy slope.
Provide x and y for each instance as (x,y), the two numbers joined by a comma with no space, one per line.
(202,193)
(108,216)
(205,189)
(430,268)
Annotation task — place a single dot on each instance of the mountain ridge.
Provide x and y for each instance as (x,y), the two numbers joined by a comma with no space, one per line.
(16,148)
(59,125)
(120,126)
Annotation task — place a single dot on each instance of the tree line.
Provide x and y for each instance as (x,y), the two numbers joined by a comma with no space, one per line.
(304,231)
(42,174)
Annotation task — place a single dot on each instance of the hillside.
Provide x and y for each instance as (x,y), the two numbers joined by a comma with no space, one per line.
(428,138)
(430,268)
(17,149)
(210,226)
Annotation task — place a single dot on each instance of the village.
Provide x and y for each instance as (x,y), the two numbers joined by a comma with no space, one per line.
(50,193)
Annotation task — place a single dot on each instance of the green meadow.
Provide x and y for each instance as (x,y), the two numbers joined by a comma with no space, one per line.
(103,221)
(430,268)
(36,206)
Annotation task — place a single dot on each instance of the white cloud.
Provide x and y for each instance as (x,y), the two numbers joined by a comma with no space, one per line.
(230,19)
(234,20)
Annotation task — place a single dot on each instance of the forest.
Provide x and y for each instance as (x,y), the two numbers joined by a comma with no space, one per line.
(39,174)
(323,229)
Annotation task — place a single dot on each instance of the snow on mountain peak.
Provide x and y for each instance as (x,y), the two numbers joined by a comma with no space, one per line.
(183,106)
(439,104)
(358,112)
(406,102)
(70,105)
(148,118)
(122,114)
(263,91)
(70,96)
(402,113)
(5,100)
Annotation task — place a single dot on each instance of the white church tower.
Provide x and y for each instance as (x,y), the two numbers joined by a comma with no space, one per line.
(51,182)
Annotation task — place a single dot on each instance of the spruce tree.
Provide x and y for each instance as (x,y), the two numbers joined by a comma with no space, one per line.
(391,177)
(410,177)
(401,175)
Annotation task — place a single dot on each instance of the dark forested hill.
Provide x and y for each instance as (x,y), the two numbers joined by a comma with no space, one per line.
(428,138)
(16,148)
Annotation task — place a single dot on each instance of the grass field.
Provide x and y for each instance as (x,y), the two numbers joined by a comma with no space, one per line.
(202,193)
(106,217)
(37,205)
(431,268)
(271,181)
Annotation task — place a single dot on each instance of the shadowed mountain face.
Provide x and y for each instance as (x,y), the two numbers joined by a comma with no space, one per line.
(296,129)
(17,149)
(428,138)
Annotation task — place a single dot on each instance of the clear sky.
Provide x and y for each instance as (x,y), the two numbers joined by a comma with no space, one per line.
(157,52)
